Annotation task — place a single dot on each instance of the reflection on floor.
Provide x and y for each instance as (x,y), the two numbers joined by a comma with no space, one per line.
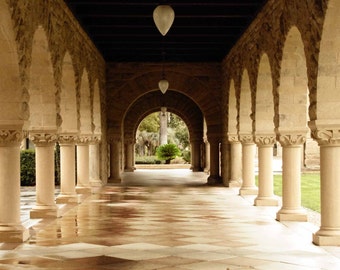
(169,226)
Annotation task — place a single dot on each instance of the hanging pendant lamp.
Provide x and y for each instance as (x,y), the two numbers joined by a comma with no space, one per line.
(163,85)
(163,16)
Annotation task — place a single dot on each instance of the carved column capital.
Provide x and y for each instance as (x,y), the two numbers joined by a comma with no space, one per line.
(246,138)
(233,138)
(84,139)
(67,138)
(327,136)
(292,139)
(11,136)
(95,139)
(264,140)
(43,138)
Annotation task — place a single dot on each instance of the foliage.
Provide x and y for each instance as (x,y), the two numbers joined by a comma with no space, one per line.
(186,155)
(150,123)
(168,152)
(27,167)
(310,189)
(180,131)
(147,160)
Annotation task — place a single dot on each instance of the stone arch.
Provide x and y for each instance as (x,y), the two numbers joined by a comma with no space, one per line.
(245,109)
(194,87)
(233,115)
(42,89)
(96,109)
(68,102)
(153,101)
(85,121)
(328,82)
(12,105)
(264,123)
(293,88)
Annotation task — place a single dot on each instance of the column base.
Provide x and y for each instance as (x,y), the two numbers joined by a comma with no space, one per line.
(83,190)
(234,183)
(114,180)
(327,237)
(266,201)
(214,180)
(70,199)
(292,215)
(96,183)
(44,211)
(129,170)
(248,191)
(13,233)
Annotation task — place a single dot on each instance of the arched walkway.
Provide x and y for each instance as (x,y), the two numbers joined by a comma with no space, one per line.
(172,226)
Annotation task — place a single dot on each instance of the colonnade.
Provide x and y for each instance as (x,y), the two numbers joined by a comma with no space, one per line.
(11,228)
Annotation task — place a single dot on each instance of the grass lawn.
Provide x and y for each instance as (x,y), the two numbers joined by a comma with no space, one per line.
(310,189)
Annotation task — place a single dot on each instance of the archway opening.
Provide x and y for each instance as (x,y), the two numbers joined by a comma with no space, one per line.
(163,130)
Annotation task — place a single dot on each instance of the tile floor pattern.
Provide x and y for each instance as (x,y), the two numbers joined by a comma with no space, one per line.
(164,227)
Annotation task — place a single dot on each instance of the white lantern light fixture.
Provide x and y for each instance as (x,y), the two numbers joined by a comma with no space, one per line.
(163,85)
(163,16)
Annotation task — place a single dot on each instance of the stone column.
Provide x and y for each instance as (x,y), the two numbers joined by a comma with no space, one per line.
(225,162)
(248,171)
(329,142)
(94,157)
(114,161)
(207,156)
(291,178)
(195,155)
(214,177)
(67,169)
(44,142)
(129,153)
(83,163)
(265,144)
(235,161)
(11,229)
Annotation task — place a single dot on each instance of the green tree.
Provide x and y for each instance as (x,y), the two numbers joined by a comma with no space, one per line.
(168,152)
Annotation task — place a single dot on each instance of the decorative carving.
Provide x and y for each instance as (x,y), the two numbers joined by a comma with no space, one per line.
(233,138)
(265,140)
(67,138)
(246,138)
(292,139)
(42,138)
(95,139)
(326,136)
(84,139)
(8,136)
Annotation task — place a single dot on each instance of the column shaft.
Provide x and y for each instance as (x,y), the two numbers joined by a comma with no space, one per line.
(207,157)
(45,179)
(265,178)
(235,164)
(129,152)
(83,171)
(291,184)
(67,174)
(114,162)
(11,229)
(329,233)
(195,155)
(248,171)
(95,180)
(225,162)
(214,177)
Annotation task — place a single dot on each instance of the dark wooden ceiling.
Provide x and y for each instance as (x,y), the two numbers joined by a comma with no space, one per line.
(203,31)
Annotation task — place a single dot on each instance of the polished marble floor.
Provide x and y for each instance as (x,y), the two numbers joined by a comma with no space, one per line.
(165,219)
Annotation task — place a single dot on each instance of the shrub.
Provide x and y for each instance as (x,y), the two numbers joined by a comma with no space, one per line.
(168,152)
(186,155)
(27,167)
